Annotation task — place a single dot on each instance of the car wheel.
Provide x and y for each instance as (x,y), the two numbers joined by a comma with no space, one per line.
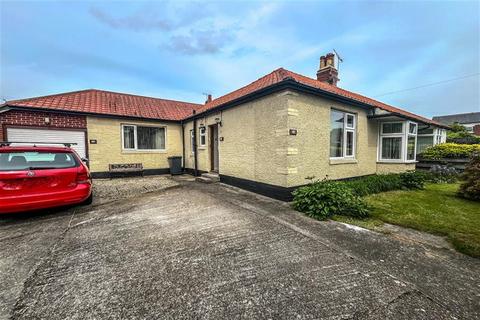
(89,200)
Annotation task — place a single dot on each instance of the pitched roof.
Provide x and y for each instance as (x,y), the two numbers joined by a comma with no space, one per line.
(121,104)
(472,117)
(282,74)
(110,103)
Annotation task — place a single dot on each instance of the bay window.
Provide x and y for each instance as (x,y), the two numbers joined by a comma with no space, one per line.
(136,137)
(428,137)
(398,141)
(342,134)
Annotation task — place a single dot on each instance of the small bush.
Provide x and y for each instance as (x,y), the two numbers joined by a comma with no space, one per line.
(323,199)
(413,179)
(442,174)
(470,187)
(450,150)
(374,184)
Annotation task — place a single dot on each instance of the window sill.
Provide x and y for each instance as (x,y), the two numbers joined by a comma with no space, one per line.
(396,162)
(142,151)
(343,161)
(202,147)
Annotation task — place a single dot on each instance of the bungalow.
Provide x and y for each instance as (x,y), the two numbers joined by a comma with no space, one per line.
(266,137)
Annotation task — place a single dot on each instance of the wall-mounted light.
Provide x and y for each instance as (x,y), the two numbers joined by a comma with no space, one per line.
(218,121)
(47,120)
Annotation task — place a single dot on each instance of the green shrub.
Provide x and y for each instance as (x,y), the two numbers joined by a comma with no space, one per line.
(413,179)
(374,184)
(470,187)
(450,150)
(323,199)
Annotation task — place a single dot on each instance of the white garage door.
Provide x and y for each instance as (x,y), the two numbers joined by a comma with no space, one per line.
(47,135)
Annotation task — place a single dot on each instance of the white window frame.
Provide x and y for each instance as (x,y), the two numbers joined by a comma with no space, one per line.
(404,142)
(438,135)
(202,135)
(346,129)
(408,135)
(135,142)
(192,141)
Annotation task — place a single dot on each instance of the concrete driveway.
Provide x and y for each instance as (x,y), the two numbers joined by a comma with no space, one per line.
(214,252)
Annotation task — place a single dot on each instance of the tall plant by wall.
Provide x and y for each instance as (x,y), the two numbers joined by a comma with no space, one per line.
(470,187)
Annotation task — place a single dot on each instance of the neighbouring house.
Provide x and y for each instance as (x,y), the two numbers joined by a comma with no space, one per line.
(471,121)
(266,137)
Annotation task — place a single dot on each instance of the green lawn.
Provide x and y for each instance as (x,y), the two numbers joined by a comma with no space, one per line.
(436,209)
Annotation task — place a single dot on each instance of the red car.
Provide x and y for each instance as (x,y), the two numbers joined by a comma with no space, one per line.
(39,177)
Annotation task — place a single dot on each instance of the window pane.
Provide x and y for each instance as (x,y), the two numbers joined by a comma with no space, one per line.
(412,128)
(336,134)
(203,136)
(13,161)
(150,138)
(423,143)
(350,121)
(425,131)
(391,148)
(128,137)
(395,127)
(411,148)
(192,141)
(349,143)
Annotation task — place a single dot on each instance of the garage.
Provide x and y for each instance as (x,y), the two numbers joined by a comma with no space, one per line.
(50,135)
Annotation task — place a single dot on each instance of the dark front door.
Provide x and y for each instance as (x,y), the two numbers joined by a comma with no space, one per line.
(214,147)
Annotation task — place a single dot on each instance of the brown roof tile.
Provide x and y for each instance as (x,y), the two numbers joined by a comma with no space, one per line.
(111,103)
(121,104)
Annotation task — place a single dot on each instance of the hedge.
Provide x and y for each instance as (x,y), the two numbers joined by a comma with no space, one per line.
(450,150)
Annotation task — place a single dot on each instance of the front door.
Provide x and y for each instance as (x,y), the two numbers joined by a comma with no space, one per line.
(214,147)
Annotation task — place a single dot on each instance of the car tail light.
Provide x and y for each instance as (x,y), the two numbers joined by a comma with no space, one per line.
(83,176)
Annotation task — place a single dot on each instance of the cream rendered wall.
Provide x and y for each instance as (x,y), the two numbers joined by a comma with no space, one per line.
(108,149)
(311,146)
(254,141)
(383,167)
(257,145)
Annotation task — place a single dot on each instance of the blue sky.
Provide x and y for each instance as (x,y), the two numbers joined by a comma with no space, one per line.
(179,50)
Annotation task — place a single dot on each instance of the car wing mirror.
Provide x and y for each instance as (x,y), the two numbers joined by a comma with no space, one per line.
(84,159)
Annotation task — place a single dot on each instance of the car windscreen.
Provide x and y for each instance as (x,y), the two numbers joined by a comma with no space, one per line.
(36,160)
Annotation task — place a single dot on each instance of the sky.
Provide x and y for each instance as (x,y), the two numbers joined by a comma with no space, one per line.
(180,50)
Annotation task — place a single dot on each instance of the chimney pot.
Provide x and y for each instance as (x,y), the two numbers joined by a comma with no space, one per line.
(209,99)
(327,72)
(322,62)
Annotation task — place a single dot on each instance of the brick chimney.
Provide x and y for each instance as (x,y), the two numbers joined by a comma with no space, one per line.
(327,72)
(476,130)
(209,99)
